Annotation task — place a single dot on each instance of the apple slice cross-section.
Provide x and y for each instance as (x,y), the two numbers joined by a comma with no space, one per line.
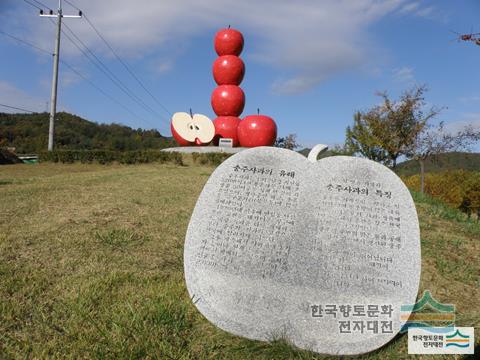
(192,130)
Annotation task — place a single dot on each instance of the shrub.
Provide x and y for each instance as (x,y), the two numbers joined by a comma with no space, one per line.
(459,189)
(107,157)
(214,159)
(195,157)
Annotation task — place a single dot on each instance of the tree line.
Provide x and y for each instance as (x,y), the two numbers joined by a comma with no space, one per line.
(28,133)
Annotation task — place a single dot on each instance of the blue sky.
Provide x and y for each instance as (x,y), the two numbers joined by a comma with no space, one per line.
(309,64)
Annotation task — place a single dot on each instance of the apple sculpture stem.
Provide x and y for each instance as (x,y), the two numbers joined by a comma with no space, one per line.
(197,140)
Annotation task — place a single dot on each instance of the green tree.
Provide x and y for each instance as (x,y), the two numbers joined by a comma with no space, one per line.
(387,131)
(361,139)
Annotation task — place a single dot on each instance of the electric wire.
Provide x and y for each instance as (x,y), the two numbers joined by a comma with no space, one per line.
(130,71)
(90,55)
(91,83)
(125,65)
(102,67)
(29,3)
(25,42)
(17,108)
(72,5)
(41,4)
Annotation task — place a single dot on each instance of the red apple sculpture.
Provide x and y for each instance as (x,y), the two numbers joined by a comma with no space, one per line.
(257,130)
(226,127)
(228,42)
(228,100)
(192,130)
(228,70)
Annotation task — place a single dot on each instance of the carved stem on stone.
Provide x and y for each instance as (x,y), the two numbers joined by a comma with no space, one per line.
(317,150)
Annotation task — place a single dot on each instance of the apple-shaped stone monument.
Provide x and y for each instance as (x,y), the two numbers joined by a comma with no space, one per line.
(321,253)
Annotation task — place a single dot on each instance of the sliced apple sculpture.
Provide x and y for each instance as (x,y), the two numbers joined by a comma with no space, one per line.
(192,130)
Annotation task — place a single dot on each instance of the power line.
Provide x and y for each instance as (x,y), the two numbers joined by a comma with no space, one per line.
(120,60)
(90,55)
(26,42)
(17,108)
(100,90)
(72,5)
(128,68)
(91,83)
(109,74)
(28,2)
(41,4)
(99,64)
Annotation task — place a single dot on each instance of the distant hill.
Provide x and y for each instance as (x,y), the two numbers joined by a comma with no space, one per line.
(304,151)
(28,133)
(325,154)
(442,162)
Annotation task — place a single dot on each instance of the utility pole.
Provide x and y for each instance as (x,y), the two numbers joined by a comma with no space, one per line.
(56,56)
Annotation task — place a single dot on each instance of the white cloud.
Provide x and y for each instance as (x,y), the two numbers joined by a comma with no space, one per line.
(425,12)
(410,7)
(306,40)
(415,8)
(469,119)
(12,96)
(68,78)
(404,74)
(469,99)
(162,66)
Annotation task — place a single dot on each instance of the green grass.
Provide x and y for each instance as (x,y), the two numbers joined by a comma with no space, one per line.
(91,266)
(438,209)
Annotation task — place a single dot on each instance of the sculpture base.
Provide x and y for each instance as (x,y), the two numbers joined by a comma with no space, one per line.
(205,149)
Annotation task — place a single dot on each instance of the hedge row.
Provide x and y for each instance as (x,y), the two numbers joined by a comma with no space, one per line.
(106,157)
(459,189)
(214,159)
(129,157)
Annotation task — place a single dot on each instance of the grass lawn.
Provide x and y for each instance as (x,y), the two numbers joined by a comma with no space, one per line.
(91,266)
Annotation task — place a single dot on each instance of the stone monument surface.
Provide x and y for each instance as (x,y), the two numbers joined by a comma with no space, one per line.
(321,253)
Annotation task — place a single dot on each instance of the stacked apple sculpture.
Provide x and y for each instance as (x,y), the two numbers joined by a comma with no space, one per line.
(228,99)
